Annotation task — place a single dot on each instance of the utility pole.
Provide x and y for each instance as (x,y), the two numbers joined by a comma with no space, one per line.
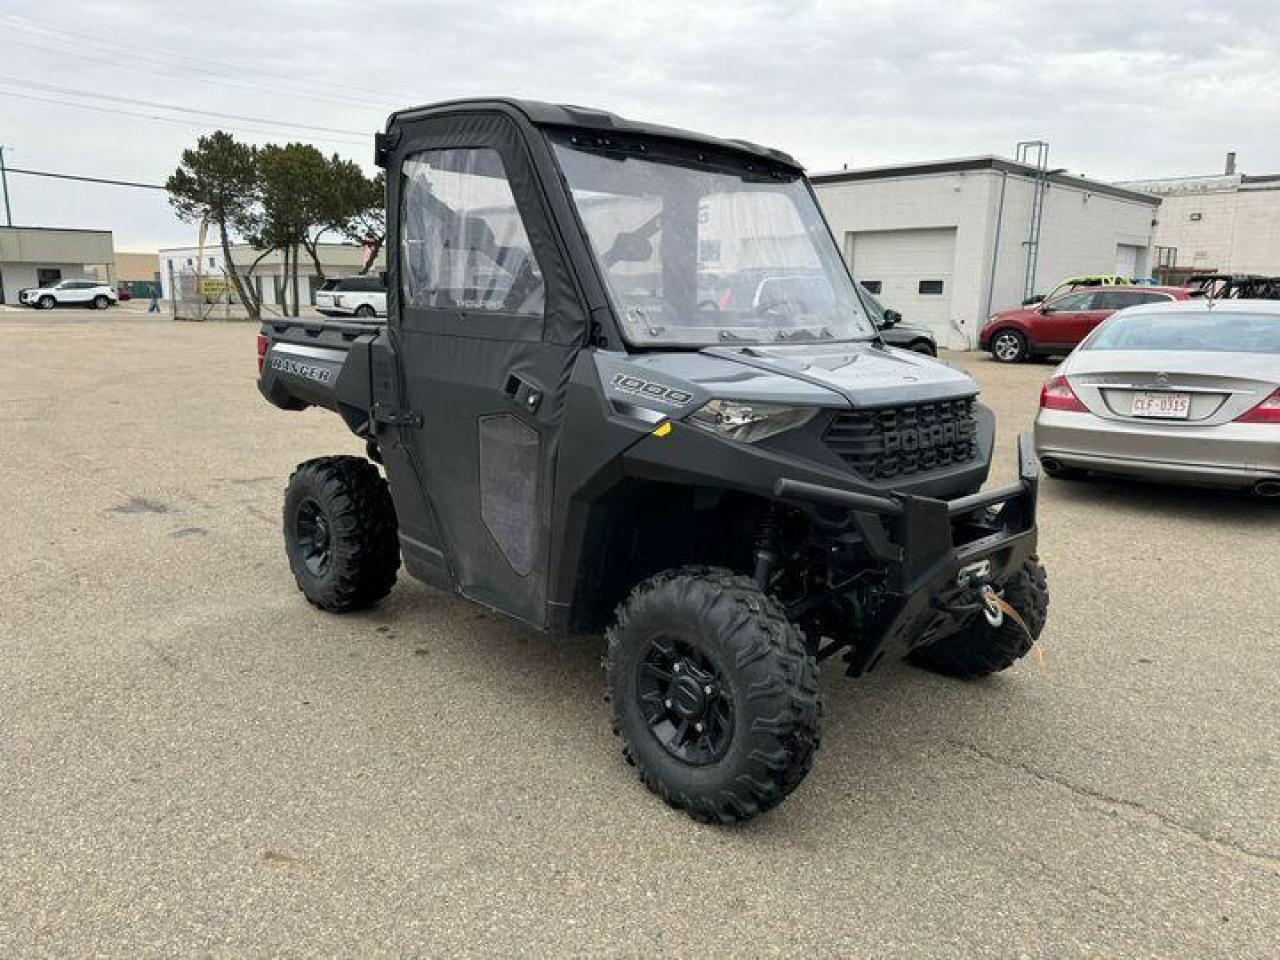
(4,184)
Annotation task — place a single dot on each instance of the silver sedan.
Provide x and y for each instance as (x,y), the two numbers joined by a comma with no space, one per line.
(1186,391)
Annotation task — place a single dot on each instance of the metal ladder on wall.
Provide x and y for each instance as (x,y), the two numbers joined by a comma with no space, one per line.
(1035,154)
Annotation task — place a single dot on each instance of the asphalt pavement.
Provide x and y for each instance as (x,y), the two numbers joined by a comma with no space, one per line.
(195,761)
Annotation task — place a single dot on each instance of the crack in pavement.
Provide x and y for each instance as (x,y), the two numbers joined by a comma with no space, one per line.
(1260,858)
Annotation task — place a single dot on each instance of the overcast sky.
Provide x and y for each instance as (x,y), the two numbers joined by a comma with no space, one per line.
(1121,90)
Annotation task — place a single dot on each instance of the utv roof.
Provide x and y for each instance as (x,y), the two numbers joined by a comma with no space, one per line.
(587,118)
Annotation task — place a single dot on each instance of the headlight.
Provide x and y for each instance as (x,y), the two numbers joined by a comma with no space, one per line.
(750,422)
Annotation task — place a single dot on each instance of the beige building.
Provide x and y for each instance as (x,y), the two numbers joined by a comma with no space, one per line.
(139,272)
(1227,223)
(38,256)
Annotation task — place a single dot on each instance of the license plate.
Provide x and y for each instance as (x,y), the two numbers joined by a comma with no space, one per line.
(1173,406)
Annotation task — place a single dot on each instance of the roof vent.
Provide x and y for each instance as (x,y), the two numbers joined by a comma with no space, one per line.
(1231,163)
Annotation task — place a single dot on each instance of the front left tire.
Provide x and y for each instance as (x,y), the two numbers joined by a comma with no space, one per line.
(340,533)
(714,693)
(46,302)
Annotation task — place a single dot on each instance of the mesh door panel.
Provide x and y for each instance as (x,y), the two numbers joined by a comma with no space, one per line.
(509,488)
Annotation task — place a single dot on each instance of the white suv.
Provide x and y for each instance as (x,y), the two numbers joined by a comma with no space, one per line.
(69,293)
(353,297)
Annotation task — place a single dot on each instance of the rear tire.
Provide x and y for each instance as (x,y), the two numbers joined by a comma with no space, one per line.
(365,311)
(923,346)
(1009,346)
(714,694)
(981,649)
(340,533)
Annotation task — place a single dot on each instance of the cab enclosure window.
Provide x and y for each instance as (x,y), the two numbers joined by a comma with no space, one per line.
(696,251)
(463,245)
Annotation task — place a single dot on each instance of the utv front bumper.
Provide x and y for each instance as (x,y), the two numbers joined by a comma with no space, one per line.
(936,554)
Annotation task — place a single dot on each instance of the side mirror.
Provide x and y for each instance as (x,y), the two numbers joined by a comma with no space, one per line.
(891,317)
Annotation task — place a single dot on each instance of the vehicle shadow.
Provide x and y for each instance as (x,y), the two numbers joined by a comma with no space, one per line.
(1135,496)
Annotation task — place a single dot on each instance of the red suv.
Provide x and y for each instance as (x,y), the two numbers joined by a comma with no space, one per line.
(1058,325)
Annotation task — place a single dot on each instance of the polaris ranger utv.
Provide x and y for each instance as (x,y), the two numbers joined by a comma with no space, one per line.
(593,416)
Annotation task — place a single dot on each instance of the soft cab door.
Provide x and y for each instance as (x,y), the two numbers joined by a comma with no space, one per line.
(487,320)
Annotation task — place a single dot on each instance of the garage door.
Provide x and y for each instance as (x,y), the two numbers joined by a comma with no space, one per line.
(1127,258)
(910,271)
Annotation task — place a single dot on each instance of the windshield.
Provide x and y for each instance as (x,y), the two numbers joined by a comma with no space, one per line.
(695,255)
(1224,332)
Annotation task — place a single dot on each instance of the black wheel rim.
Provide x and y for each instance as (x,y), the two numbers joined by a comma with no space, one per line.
(685,701)
(312,538)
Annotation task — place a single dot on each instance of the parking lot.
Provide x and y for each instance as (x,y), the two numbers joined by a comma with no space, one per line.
(194,760)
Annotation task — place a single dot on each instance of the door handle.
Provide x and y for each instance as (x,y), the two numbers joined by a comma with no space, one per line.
(526,394)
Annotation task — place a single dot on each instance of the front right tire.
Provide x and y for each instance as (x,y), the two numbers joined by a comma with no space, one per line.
(714,693)
(981,649)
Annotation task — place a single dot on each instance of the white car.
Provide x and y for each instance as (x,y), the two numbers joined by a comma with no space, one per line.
(70,293)
(362,297)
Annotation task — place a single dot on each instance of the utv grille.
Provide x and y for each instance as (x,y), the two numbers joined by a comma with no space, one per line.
(894,442)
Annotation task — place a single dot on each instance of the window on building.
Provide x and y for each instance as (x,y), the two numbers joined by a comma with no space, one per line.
(212,262)
(1197,216)
(190,262)
(463,245)
(927,288)
(871,286)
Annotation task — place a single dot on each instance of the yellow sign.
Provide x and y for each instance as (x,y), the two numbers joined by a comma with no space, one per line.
(214,288)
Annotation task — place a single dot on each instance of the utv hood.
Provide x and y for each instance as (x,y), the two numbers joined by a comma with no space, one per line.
(863,374)
(839,375)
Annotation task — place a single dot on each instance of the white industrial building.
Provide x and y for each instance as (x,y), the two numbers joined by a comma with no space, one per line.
(196,267)
(1225,223)
(948,243)
(38,256)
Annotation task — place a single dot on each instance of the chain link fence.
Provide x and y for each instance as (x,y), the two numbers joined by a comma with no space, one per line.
(211,297)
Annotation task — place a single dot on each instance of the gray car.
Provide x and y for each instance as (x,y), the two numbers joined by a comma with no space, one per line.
(1184,392)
